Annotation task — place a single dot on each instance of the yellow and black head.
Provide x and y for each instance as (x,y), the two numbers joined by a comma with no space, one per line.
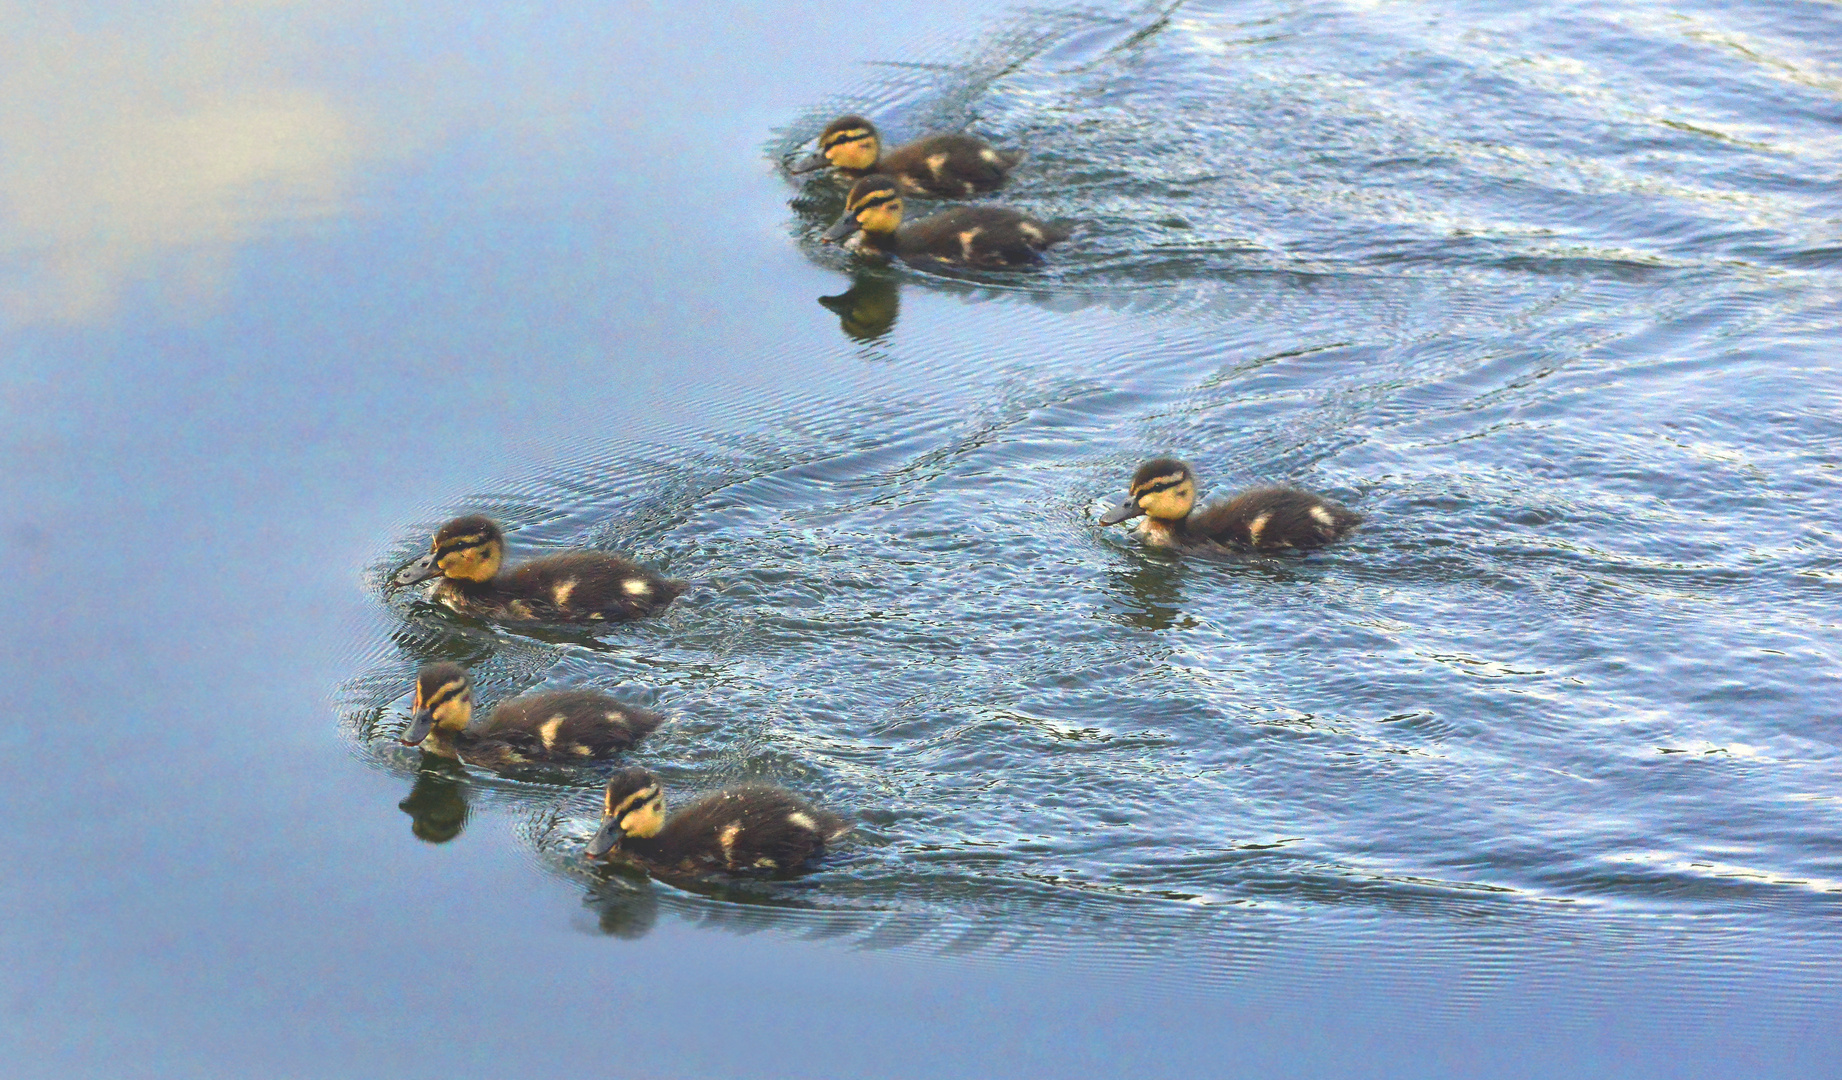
(444,699)
(635,806)
(469,548)
(873,205)
(849,142)
(1163,489)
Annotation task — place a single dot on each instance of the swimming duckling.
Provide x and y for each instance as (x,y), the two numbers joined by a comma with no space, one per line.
(554,727)
(1264,519)
(576,586)
(990,236)
(750,827)
(938,166)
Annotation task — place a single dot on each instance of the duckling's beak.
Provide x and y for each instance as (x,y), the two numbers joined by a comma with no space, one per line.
(1127,509)
(846,226)
(420,570)
(421,722)
(604,839)
(811,164)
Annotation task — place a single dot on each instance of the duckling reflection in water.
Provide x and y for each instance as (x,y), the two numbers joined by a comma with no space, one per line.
(745,828)
(556,727)
(937,166)
(437,803)
(980,236)
(467,554)
(1264,519)
(868,309)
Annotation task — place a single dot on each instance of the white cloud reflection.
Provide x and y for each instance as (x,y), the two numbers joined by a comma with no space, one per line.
(148,149)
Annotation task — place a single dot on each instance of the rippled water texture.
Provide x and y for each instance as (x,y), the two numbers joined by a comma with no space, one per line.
(1551,295)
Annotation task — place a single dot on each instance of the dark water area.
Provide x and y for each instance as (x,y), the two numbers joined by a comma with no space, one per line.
(1536,775)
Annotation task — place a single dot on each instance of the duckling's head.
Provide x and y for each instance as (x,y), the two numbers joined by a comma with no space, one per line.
(1163,489)
(444,699)
(469,548)
(874,205)
(635,806)
(849,142)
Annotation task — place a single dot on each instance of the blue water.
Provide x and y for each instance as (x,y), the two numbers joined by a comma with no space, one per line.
(1534,776)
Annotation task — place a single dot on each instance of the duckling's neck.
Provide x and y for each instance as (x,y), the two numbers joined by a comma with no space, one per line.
(462,587)
(443,742)
(1159,532)
(865,242)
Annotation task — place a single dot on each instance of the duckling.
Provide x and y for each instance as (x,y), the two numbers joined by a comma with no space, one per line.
(555,727)
(749,827)
(938,166)
(1264,519)
(576,586)
(988,236)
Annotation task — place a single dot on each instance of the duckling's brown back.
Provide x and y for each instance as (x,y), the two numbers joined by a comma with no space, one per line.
(587,586)
(1272,519)
(993,236)
(948,166)
(750,827)
(570,726)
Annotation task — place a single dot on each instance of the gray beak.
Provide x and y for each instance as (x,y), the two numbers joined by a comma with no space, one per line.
(1127,509)
(846,226)
(421,722)
(420,570)
(812,164)
(605,839)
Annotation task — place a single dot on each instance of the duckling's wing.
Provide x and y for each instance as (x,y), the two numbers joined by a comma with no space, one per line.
(500,752)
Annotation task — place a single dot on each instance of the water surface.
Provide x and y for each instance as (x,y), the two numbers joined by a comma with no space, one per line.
(1538,769)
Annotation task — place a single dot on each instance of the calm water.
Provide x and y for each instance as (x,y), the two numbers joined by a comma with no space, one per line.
(1537,774)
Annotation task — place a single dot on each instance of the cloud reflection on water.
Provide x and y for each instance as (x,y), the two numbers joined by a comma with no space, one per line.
(138,149)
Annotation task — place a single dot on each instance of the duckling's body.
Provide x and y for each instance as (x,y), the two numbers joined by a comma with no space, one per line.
(938,166)
(1264,519)
(981,236)
(554,727)
(577,586)
(752,827)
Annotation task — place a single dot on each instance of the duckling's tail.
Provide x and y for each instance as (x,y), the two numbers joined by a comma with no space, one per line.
(1012,157)
(1058,230)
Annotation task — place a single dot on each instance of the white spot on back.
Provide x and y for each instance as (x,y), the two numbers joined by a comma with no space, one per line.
(965,241)
(636,587)
(991,156)
(766,863)
(560,594)
(802,820)
(548,730)
(726,836)
(937,164)
(1035,234)
(1257,526)
(1323,516)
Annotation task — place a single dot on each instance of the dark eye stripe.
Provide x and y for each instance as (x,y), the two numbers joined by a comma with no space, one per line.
(634,801)
(459,543)
(842,137)
(1162,485)
(444,695)
(880,198)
